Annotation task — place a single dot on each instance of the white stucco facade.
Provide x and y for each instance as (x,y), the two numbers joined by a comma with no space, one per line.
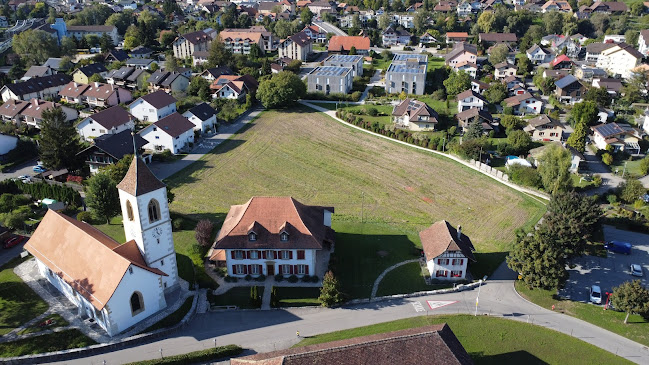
(448,266)
(159,140)
(88,129)
(144,111)
(270,262)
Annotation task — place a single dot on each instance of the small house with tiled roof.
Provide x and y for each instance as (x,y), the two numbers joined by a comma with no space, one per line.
(203,116)
(83,74)
(109,121)
(153,107)
(415,115)
(275,235)
(447,251)
(113,285)
(544,128)
(173,132)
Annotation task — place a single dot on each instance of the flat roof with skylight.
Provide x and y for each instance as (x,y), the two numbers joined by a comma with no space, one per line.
(330,71)
(343,58)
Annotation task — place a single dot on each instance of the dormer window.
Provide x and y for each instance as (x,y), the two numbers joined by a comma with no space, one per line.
(252,236)
(283,237)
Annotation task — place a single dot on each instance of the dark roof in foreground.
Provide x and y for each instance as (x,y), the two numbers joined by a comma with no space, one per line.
(435,344)
(117,145)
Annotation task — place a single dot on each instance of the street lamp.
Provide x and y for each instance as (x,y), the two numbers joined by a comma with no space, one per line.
(477,299)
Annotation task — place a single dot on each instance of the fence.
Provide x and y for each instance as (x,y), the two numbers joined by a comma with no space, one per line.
(490,170)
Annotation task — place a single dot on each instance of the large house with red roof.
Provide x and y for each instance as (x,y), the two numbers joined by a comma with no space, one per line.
(447,251)
(274,235)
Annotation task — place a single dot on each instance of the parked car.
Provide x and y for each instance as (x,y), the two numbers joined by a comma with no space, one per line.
(618,247)
(595,294)
(39,169)
(636,270)
(14,241)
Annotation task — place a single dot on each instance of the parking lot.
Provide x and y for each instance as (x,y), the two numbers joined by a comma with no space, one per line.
(607,272)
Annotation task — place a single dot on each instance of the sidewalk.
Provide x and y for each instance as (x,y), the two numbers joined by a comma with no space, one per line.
(163,170)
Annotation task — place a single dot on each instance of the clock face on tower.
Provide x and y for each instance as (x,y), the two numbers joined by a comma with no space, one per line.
(157,232)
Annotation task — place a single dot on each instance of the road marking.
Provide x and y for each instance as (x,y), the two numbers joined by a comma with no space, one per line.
(434,304)
(418,307)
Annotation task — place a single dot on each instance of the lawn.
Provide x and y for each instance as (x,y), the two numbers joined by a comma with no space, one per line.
(239,296)
(632,167)
(394,191)
(402,280)
(174,318)
(637,329)
(495,340)
(298,297)
(18,302)
(36,327)
(68,339)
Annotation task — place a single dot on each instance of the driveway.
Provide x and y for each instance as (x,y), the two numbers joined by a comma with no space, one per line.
(24,169)
(607,272)
(609,179)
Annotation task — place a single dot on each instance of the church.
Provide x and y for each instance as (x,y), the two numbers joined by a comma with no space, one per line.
(115,285)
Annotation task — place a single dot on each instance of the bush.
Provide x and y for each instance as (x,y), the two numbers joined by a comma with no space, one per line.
(177,223)
(306,279)
(261,277)
(524,175)
(597,181)
(85,217)
(247,277)
(439,94)
(371,111)
(611,198)
(293,279)
(607,159)
(279,278)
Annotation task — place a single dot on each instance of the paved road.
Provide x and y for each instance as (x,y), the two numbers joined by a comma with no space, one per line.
(24,169)
(596,166)
(164,170)
(329,28)
(268,331)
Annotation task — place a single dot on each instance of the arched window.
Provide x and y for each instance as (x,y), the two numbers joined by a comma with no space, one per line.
(154,211)
(137,304)
(129,210)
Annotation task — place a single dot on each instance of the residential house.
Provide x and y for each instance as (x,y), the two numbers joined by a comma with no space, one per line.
(393,36)
(504,69)
(95,94)
(447,251)
(141,63)
(622,137)
(153,107)
(20,111)
(203,116)
(35,88)
(643,42)
(355,62)
(561,62)
(464,9)
(609,7)
(514,85)
(118,77)
(37,71)
(427,38)
(406,73)
(410,346)
(141,52)
(110,121)
(562,44)
(620,60)
(612,86)
(557,74)
(115,55)
(538,54)
(589,73)
(343,44)
(330,79)
(468,67)
(556,5)
(275,236)
(316,34)
(569,89)
(173,132)
(296,47)
(212,74)
(494,38)
(544,128)
(483,116)
(479,86)
(200,58)
(169,82)
(233,87)
(187,44)
(81,31)
(470,99)
(461,53)
(454,37)
(524,103)
(594,51)
(239,41)
(445,6)
(414,115)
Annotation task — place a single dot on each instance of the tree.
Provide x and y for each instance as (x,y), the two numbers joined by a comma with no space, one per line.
(511,122)
(282,89)
(118,170)
(68,46)
(637,8)
(384,21)
(121,20)
(631,297)
(219,54)
(498,53)
(199,86)
(306,16)
(96,78)
(229,111)
(330,293)
(457,82)
(598,95)
(584,112)
(294,66)
(524,66)
(553,22)
(167,38)
(577,139)
(102,197)
(172,64)
(631,190)
(554,168)
(496,93)
(203,232)
(519,141)
(420,21)
(35,46)
(106,42)
(59,140)
(644,166)
(607,159)
(631,36)
(486,21)
(352,50)
(474,130)
(538,260)
(572,218)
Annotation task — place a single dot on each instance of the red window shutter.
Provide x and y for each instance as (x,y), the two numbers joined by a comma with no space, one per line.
(261,269)
(461,261)
(247,254)
(234,269)
(232,252)
(306,269)
(263,255)
(249,269)
(281,271)
(275,255)
(295,269)
(258,254)
(300,254)
(290,268)
(245,269)
(290,255)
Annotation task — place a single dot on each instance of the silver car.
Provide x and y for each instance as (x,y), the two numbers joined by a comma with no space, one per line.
(636,270)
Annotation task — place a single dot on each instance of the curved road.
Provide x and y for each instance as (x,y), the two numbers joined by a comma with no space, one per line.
(268,331)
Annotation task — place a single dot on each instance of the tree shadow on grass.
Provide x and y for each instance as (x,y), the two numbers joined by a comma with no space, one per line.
(514,357)
(486,263)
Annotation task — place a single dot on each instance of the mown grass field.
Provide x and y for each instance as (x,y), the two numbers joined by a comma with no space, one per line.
(18,302)
(384,193)
(498,341)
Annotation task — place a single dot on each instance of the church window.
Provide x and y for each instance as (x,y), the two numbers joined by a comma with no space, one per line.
(137,304)
(129,210)
(154,211)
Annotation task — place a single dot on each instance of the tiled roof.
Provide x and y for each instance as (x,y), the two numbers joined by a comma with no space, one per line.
(468,93)
(36,107)
(90,28)
(139,180)
(90,70)
(73,89)
(461,47)
(540,121)
(197,37)
(117,145)
(598,47)
(442,237)
(517,99)
(203,111)
(174,124)
(457,35)
(92,263)
(112,117)
(434,345)
(498,37)
(36,71)
(268,217)
(159,99)
(345,43)
(38,84)
(415,108)
(13,107)
(301,39)
(471,113)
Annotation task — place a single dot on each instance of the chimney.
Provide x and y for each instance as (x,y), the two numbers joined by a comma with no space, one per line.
(35,101)
(459,233)
(76,85)
(96,84)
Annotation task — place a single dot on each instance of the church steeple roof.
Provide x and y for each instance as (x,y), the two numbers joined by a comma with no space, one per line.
(139,179)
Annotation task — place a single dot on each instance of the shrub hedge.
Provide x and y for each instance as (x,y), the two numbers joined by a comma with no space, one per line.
(202,356)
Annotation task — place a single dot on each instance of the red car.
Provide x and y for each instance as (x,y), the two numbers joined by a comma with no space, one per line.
(13,241)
